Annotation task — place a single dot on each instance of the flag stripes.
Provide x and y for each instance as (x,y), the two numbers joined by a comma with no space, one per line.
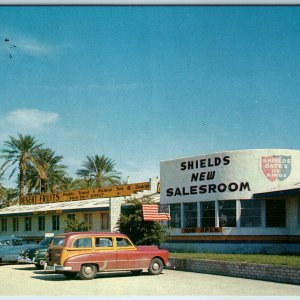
(151,213)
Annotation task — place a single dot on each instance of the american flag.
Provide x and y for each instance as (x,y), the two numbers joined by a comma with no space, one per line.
(153,212)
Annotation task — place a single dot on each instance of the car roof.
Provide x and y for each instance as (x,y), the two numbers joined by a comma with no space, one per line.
(93,233)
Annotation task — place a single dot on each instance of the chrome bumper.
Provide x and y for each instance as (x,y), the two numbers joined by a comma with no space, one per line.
(56,267)
(22,259)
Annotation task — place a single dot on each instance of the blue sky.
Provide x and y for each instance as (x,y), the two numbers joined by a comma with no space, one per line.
(143,84)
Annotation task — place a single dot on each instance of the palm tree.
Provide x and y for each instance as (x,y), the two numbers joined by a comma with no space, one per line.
(2,188)
(99,171)
(48,174)
(21,151)
(71,184)
(9,197)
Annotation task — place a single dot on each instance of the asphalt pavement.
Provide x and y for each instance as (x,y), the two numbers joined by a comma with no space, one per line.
(25,280)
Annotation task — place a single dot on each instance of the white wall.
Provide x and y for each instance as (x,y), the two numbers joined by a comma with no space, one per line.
(245,169)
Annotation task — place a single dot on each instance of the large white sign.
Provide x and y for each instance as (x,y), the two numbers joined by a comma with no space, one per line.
(229,175)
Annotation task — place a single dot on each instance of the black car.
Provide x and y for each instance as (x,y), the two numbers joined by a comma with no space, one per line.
(28,255)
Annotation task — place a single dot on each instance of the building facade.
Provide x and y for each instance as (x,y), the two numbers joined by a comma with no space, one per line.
(236,202)
(35,218)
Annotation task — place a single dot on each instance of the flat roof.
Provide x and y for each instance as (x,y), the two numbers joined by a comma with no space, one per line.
(99,204)
(69,206)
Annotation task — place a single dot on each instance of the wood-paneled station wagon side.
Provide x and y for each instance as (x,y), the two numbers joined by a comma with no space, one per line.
(86,253)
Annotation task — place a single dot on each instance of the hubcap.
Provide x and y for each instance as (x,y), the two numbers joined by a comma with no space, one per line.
(88,270)
(155,266)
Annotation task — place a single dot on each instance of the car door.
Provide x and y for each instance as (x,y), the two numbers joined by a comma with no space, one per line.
(105,254)
(127,257)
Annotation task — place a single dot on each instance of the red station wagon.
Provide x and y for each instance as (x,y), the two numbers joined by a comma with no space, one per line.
(87,253)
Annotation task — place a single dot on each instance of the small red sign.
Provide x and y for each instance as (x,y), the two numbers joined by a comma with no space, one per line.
(276,167)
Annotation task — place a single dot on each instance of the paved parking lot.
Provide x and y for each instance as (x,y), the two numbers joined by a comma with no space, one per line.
(25,280)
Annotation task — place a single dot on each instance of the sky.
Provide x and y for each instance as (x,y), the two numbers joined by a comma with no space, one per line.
(144,84)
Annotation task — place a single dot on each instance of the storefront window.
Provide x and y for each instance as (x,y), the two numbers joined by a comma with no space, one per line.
(275,213)
(71,217)
(3,224)
(298,212)
(88,218)
(250,213)
(207,214)
(55,222)
(104,221)
(190,215)
(227,213)
(41,220)
(175,213)
(16,224)
(27,223)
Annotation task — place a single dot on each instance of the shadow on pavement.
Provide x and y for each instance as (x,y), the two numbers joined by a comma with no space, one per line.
(52,277)
(26,268)
(48,276)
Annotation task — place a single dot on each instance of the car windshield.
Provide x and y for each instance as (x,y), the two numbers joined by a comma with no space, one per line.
(58,241)
(45,242)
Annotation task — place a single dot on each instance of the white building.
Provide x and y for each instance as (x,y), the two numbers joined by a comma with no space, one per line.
(35,221)
(237,201)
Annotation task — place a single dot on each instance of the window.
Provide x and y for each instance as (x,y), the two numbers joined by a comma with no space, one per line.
(4,242)
(88,218)
(207,214)
(15,224)
(275,213)
(83,243)
(250,213)
(104,221)
(122,242)
(17,242)
(103,242)
(55,222)
(298,212)
(27,223)
(58,241)
(190,215)
(3,224)
(227,213)
(71,216)
(175,213)
(41,221)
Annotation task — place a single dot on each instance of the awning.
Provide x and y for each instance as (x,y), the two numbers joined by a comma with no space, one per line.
(277,194)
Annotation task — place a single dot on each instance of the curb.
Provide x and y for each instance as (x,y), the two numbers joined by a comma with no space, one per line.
(275,273)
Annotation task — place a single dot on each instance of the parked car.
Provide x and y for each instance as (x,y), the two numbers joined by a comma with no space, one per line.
(39,258)
(86,253)
(10,247)
(28,255)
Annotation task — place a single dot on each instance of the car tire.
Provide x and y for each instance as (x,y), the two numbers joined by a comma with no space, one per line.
(39,267)
(88,272)
(136,272)
(156,266)
(69,275)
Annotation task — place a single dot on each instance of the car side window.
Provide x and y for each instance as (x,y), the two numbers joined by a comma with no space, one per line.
(122,242)
(4,242)
(17,242)
(103,242)
(83,243)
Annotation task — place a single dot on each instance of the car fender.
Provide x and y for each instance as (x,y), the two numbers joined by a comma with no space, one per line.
(78,260)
